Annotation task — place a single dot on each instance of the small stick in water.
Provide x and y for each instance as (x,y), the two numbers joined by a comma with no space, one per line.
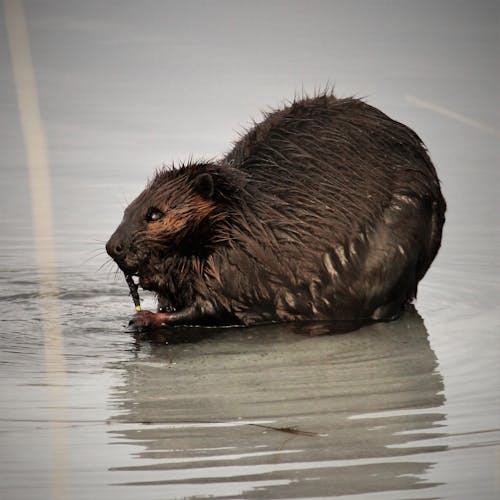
(133,291)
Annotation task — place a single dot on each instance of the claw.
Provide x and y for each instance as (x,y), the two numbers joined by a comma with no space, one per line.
(144,320)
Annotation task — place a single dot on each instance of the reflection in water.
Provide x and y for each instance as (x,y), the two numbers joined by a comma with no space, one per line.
(41,201)
(254,410)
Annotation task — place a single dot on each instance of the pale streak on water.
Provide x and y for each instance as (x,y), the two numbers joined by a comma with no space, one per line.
(41,201)
(402,410)
(452,115)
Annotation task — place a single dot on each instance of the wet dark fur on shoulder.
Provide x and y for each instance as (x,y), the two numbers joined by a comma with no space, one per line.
(326,210)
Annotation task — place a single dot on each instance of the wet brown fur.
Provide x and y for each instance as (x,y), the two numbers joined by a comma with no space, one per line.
(327,209)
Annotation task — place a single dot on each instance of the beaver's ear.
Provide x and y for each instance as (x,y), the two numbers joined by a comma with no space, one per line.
(204,185)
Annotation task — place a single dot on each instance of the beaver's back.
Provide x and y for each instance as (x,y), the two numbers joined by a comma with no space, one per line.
(338,161)
(343,218)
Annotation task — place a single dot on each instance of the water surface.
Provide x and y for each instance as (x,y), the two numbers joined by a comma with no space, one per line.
(408,409)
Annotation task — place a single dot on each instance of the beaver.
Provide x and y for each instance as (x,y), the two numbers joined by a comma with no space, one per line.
(326,210)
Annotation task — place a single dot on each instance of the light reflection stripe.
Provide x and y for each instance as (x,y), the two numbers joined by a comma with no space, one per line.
(41,200)
(453,115)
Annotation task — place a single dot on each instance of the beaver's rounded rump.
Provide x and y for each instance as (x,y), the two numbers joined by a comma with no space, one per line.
(327,210)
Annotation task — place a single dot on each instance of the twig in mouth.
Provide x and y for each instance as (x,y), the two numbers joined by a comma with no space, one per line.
(133,291)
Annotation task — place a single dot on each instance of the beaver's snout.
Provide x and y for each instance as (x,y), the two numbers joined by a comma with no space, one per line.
(115,246)
(118,249)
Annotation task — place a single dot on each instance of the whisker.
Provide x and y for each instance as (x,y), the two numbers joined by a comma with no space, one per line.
(106,263)
(96,253)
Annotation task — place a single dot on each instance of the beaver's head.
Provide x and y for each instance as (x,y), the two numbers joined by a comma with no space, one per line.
(176,215)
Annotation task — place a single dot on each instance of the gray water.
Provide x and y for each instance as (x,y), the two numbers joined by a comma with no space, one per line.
(404,410)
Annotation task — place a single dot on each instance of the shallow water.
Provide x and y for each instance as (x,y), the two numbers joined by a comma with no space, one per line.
(408,409)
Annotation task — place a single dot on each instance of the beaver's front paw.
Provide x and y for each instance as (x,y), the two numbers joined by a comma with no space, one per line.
(145,320)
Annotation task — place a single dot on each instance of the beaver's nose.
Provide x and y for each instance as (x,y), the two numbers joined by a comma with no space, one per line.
(115,247)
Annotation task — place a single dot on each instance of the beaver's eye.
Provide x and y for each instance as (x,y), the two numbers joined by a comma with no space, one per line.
(153,214)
